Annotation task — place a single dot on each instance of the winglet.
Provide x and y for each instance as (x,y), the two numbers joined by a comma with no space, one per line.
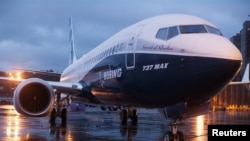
(246,74)
(72,57)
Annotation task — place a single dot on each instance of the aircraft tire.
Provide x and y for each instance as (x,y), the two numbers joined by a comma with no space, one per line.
(134,117)
(64,117)
(169,136)
(180,136)
(124,116)
(52,120)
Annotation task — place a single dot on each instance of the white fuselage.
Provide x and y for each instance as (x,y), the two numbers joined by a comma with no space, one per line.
(167,46)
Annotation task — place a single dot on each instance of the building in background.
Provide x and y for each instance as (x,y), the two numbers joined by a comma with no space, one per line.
(242,41)
(7,87)
(237,96)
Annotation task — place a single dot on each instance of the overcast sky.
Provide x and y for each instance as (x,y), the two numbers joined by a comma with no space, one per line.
(34,33)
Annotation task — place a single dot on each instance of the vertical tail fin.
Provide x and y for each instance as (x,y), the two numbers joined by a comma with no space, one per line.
(72,57)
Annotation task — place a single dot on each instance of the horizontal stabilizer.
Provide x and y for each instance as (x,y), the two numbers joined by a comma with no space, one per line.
(245,78)
(246,74)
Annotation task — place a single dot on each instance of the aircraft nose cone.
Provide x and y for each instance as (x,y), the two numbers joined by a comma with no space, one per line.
(223,48)
(227,59)
(215,61)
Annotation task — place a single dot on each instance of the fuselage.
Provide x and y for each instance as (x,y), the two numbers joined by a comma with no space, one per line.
(158,62)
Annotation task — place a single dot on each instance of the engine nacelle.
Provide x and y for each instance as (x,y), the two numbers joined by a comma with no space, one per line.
(34,97)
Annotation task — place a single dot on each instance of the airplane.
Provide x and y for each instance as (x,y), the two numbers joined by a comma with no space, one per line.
(172,62)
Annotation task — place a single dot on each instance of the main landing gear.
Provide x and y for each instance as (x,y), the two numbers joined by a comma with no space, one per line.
(58,111)
(128,113)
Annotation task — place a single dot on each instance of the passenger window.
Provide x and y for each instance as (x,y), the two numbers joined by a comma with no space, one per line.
(121,47)
(162,33)
(113,50)
(173,31)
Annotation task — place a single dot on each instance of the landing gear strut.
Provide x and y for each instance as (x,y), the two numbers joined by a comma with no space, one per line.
(174,134)
(130,113)
(58,111)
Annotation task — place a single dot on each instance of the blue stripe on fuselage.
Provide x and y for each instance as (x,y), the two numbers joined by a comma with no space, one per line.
(160,80)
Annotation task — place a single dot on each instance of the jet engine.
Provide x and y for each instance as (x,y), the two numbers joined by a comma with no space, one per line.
(34,97)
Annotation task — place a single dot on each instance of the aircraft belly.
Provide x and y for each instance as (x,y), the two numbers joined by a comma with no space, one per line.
(160,80)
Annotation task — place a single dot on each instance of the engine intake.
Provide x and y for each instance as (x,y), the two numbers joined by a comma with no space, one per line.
(34,97)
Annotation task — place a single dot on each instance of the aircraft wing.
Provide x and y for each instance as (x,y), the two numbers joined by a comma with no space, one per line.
(50,73)
(236,83)
(66,87)
(56,85)
(11,79)
(69,88)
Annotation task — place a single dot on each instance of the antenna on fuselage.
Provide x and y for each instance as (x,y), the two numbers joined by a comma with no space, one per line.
(72,57)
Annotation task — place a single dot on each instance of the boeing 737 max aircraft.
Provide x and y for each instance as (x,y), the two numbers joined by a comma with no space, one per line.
(172,62)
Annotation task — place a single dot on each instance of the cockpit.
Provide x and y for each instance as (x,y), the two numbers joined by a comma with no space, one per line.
(170,32)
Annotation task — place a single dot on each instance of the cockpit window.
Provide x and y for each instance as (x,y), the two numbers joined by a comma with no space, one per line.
(162,33)
(173,31)
(185,29)
(167,33)
(170,32)
(213,30)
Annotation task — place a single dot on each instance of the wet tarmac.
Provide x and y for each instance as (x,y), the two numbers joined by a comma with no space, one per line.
(97,125)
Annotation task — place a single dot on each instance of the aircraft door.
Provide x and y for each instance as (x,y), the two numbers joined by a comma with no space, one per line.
(130,49)
(130,55)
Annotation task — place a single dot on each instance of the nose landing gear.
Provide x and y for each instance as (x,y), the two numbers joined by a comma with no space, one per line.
(174,134)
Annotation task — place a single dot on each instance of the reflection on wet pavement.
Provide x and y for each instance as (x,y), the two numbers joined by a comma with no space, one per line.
(96,125)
